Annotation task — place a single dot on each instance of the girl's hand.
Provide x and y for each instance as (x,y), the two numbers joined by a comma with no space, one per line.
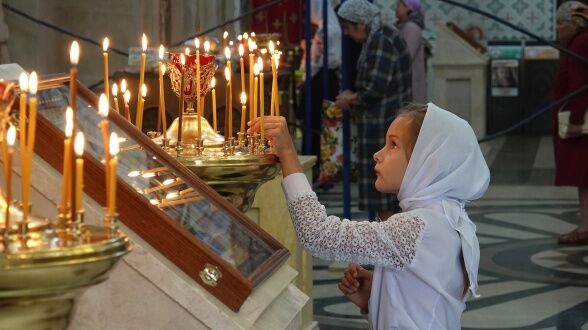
(356,285)
(276,131)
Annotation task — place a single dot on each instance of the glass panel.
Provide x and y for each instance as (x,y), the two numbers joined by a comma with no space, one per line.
(181,201)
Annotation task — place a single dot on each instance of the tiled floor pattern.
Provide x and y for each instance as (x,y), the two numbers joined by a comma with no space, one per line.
(526,280)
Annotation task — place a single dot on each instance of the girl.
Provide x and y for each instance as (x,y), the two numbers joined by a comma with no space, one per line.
(426,257)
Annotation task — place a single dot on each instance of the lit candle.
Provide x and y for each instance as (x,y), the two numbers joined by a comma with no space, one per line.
(239,38)
(206,46)
(142,69)
(115,97)
(273,65)
(74,56)
(245,36)
(187,51)
(213,85)
(123,86)
(241,52)
(162,68)
(255,90)
(10,138)
(111,197)
(277,89)
(139,118)
(261,96)
(251,63)
(79,149)
(228,108)
(24,86)
(225,36)
(181,116)
(65,197)
(243,111)
(26,176)
(127,99)
(105,44)
(198,104)
(103,112)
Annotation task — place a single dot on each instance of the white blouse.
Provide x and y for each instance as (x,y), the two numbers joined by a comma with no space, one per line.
(417,281)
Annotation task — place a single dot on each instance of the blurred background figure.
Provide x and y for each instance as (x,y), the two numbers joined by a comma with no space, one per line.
(317,51)
(571,153)
(411,23)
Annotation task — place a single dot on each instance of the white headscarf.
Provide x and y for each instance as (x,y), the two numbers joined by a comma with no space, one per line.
(446,170)
(362,12)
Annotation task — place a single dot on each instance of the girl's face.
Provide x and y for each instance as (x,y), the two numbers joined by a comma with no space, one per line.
(392,159)
(402,10)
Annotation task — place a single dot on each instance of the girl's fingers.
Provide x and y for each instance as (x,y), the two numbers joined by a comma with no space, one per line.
(346,290)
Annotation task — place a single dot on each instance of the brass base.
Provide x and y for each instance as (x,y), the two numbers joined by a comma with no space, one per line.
(41,274)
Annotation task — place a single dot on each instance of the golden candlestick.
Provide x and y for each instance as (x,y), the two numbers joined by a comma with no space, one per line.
(241,62)
(127,99)
(213,85)
(65,197)
(261,97)
(161,70)
(10,138)
(114,148)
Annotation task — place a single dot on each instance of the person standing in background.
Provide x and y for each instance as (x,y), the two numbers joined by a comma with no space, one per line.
(571,153)
(317,51)
(411,23)
(383,86)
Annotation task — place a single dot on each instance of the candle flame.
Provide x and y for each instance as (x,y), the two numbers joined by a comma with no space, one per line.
(11,136)
(260,64)
(225,34)
(79,144)
(271,47)
(144,90)
(243,98)
(127,96)
(250,44)
(105,44)
(256,69)
(227,74)
(74,53)
(277,60)
(239,37)
(227,53)
(183,59)
(278,43)
(187,51)
(163,68)
(103,106)
(33,83)
(230,42)
(144,43)
(252,34)
(207,46)
(115,89)
(161,52)
(113,144)
(123,86)
(68,122)
(23,82)
(241,50)
(168,181)
(245,35)
(263,51)
(213,82)
(197,43)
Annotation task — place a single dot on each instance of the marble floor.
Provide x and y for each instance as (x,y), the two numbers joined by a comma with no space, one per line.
(526,280)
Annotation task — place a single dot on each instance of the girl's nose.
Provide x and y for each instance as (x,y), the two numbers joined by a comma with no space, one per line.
(376,156)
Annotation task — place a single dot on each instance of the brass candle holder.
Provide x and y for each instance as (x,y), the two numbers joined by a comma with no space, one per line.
(235,169)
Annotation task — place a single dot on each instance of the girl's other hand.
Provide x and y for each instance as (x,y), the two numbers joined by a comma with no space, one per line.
(356,285)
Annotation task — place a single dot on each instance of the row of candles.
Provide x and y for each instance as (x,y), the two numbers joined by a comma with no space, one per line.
(256,84)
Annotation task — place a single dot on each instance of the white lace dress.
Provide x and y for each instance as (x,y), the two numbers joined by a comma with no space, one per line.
(417,282)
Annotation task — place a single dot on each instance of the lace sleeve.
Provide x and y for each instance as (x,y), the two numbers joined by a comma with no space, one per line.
(392,243)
